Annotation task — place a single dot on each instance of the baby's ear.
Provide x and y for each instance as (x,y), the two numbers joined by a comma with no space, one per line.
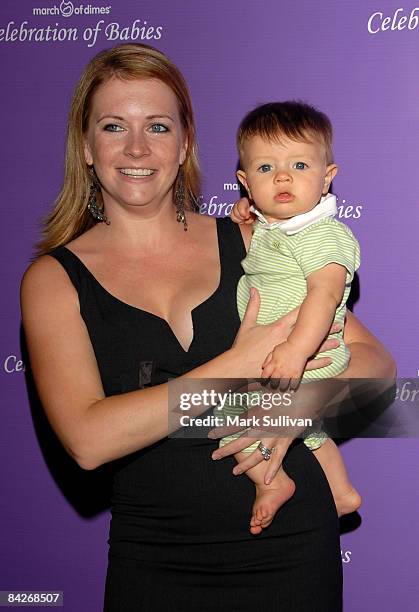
(331,172)
(241,175)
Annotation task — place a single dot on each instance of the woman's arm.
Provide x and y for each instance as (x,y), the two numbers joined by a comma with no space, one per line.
(93,428)
(369,358)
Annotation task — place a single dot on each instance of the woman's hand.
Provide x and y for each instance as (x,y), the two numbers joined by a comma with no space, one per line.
(312,400)
(279,444)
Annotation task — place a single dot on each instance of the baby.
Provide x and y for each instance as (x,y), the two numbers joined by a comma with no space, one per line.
(299,256)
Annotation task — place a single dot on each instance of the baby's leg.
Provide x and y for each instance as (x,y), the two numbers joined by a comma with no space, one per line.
(269,498)
(347,499)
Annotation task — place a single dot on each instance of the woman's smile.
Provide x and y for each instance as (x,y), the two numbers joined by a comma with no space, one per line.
(136,172)
(136,143)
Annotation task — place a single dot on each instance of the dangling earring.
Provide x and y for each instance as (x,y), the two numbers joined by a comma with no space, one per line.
(92,206)
(180,200)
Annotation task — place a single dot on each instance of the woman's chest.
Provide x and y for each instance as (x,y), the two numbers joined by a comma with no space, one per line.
(168,286)
(135,347)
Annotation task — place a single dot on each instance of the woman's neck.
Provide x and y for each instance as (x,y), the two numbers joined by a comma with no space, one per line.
(142,227)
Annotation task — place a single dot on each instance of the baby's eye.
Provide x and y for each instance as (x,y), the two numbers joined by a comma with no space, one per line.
(159,128)
(265,168)
(300,165)
(112,127)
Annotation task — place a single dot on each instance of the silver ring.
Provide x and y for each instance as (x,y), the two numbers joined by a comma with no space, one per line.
(266,452)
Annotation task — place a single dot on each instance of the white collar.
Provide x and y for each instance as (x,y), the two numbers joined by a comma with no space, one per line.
(325,208)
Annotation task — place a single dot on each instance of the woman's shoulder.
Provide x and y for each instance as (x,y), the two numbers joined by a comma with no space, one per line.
(47,298)
(41,271)
(44,281)
(88,242)
(48,269)
(204,222)
(200,220)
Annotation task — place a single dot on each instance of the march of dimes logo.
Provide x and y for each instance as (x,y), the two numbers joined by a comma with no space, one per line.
(137,30)
(67,9)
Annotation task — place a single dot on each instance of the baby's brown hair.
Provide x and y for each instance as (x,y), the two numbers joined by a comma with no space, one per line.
(294,119)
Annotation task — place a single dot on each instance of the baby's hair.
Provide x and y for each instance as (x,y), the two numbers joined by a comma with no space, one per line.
(293,119)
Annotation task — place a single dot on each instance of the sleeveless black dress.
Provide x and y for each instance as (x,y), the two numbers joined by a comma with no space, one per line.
(179,536)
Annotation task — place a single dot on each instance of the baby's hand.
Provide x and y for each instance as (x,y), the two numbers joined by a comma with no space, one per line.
(285,363)
(241,212)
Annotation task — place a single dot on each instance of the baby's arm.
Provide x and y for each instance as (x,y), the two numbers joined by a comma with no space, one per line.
(325,289)
(241,212)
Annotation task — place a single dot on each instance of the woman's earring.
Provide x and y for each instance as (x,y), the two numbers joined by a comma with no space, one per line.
(180,200)
(92,206)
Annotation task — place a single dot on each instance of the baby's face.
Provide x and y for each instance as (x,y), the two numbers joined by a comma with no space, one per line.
(285,178)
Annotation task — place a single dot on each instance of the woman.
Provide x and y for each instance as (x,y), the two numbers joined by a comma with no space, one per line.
(132,300)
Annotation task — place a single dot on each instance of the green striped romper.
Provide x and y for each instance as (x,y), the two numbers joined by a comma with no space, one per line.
(278,265)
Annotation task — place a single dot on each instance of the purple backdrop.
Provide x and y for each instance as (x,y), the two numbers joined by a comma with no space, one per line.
(357,62)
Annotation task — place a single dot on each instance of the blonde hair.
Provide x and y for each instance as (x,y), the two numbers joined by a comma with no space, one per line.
(70,216)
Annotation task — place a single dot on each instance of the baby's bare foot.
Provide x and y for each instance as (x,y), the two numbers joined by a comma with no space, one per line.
(269,498)
(349,502)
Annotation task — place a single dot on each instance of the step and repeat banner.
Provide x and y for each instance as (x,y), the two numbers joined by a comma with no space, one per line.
(356,61)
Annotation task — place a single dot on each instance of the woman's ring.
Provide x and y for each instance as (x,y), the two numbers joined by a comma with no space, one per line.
(266,452)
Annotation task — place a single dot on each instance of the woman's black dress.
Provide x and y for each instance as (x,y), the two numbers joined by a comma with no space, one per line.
(179,535)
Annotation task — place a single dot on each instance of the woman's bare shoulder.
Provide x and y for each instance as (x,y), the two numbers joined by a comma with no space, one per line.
(87,243)
(45,280)
(200,220)
(205,221)
(44,268)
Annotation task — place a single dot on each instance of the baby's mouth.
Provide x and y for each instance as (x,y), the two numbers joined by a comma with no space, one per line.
(284,196)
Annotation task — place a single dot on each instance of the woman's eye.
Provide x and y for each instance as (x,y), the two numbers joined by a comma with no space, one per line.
(265,168)
(112,127)
(159,128)
(300,165)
